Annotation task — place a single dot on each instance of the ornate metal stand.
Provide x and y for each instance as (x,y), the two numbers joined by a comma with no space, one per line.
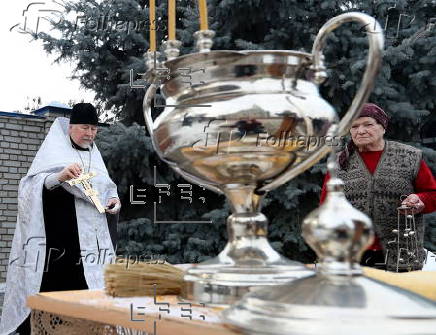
(405,234)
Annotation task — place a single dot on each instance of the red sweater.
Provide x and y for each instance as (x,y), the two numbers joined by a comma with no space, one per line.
(425,185)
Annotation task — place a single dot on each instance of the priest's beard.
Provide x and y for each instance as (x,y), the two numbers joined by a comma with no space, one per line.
(87,144)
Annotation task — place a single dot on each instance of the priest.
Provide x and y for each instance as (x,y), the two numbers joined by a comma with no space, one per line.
(62,239)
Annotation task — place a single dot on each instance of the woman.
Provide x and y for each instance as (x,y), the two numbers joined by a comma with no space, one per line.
(377,173)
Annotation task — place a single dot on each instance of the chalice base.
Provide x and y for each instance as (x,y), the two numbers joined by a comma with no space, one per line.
(221,282)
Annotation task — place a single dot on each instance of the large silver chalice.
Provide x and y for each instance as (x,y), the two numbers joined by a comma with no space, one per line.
(248,122)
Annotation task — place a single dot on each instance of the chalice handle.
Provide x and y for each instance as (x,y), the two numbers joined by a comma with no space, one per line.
(376,45)
(146,106)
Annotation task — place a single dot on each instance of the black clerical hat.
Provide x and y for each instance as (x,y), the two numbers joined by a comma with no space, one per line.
(84,113)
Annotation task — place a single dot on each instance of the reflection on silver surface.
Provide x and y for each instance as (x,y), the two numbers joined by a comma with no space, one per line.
(244,123)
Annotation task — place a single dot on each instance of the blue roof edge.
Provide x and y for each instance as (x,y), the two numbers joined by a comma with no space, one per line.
(53,109)
(28,116)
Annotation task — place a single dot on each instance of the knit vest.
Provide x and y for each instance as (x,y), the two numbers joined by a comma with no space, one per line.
(378,196)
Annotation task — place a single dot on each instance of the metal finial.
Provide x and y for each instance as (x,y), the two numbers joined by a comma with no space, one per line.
(320,74)
(152,59)
(172,48)
(153,64)
(336,231)
(204,40)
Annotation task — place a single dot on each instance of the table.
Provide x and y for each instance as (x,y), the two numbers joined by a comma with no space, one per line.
(90,312)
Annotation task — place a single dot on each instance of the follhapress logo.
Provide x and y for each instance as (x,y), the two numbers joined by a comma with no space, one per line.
(35,14)
(112,23)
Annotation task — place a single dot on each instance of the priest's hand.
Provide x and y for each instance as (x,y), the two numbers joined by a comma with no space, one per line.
(70,172)
(414,202)
(113,206)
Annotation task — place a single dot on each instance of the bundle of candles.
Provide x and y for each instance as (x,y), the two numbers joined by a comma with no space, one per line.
(142,278)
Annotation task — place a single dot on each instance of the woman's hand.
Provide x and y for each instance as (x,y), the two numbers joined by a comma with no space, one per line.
(414,202)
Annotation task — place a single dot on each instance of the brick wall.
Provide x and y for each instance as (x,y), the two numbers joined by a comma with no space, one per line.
(20,138)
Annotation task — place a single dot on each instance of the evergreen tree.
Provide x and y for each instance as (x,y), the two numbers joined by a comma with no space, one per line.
(104,58)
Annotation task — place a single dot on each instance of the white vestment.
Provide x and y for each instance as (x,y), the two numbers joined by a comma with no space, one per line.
(27,256)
